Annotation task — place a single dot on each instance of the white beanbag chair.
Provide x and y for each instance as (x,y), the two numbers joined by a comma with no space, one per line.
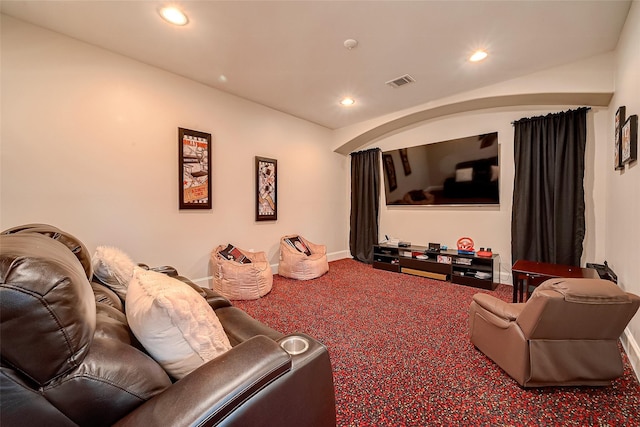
(241,281)
(301,259)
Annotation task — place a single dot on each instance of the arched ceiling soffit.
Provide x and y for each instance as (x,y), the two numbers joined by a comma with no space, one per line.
(594,99)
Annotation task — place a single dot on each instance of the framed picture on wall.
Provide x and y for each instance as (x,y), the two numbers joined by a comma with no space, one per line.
(617,145)
(630,140)
(194,160)
(390,171)
(266,189)
(405,161)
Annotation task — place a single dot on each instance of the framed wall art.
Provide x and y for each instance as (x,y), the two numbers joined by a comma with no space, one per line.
(405,161)
(266,189)
(617,145)
(194,160)
(390,171)
(630,140)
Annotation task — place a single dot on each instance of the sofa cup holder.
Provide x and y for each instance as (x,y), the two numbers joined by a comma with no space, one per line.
(295,345)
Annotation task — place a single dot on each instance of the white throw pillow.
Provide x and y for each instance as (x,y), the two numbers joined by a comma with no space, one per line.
(173,322)
(113,268)
(464,175)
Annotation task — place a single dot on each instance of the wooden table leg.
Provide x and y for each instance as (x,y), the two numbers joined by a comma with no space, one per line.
(518,287)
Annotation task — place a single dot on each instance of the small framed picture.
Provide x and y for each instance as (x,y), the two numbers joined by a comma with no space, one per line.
(390,171)
(630,140)
(266,189)
(194,160)
(404,156)
(617,144)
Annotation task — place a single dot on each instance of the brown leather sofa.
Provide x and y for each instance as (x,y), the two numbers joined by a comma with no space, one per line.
(69,357)
(565,334)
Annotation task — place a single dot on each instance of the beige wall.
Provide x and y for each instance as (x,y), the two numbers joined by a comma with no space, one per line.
(622,199)
(89,144)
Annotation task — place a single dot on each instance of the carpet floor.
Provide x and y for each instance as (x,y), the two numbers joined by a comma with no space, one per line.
(401,355)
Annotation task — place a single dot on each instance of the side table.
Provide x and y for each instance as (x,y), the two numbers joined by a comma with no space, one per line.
(532,273)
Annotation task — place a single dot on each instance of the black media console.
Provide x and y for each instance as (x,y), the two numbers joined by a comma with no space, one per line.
(469,270)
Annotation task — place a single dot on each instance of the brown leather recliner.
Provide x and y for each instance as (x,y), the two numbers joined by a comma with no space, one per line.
(565,334)
(69,357)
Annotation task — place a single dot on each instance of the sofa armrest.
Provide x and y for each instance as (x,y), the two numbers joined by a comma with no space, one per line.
(214,299)
(213,391)
(240,327)
(504,310)
(166,269)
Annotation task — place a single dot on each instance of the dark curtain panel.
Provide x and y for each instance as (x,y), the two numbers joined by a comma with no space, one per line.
(365,196)
(548,222)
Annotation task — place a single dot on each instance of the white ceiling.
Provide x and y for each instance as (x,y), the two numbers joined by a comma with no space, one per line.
(289,55)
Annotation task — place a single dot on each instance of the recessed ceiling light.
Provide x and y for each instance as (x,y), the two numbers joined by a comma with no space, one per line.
(478,55)
(173,15)
(346,102)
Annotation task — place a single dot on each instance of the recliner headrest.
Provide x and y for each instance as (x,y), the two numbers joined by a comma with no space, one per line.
(586,291)
(47,307)
(71,242)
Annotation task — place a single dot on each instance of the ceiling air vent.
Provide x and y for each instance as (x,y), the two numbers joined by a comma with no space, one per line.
(401,81)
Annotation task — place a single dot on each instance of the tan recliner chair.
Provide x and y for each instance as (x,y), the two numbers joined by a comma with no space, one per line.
(565,334)
(296,264)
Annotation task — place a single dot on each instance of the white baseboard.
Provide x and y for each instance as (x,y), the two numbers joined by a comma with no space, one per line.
(334,256)
(205,282)
(632,349)
(505,278)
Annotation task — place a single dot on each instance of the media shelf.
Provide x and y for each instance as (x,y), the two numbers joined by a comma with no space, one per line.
(462,269)
(386,258)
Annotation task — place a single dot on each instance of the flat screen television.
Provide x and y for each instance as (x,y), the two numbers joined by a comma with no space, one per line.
(463,171)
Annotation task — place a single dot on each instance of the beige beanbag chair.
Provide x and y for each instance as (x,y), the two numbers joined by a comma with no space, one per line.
(300,259)
(237,281)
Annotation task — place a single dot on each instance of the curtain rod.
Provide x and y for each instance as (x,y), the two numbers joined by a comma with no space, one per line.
(525,119)
(364,151)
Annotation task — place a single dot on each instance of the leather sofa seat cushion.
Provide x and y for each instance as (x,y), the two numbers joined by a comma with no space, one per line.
(173,322)
(116,374)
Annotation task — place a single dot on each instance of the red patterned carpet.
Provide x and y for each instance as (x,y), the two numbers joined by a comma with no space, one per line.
(402,357)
